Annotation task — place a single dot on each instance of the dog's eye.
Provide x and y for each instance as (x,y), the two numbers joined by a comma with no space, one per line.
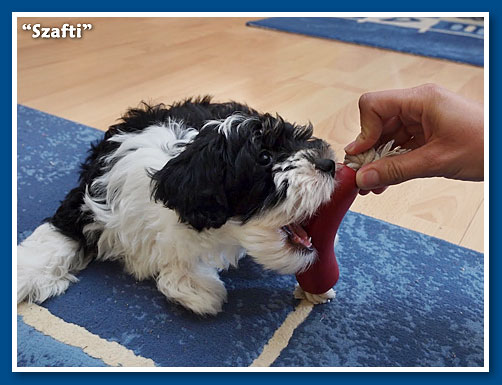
(265,158)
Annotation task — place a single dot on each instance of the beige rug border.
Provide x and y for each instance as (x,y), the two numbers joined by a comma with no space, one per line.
(114,354)
(111,353)
(283,334)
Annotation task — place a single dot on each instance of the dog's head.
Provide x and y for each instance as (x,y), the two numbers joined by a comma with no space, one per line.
(256,176)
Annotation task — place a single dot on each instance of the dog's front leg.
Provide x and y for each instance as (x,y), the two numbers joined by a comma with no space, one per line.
(193,285)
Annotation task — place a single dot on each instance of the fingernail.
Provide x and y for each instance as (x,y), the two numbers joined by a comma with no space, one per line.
(349,147)
(369,179)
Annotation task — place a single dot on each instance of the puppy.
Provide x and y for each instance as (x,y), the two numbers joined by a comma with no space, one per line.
(178,193)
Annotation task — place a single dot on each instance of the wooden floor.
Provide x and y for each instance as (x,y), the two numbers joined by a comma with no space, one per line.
(122,61)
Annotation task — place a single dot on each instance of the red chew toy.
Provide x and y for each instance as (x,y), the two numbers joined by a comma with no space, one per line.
(322,227)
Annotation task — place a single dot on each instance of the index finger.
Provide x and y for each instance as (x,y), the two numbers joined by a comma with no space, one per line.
(375,109)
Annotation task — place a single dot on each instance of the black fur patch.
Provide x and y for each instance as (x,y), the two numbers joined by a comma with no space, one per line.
(215,178)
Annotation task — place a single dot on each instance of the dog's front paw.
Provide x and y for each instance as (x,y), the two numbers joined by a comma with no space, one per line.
(203,295)
(204,300)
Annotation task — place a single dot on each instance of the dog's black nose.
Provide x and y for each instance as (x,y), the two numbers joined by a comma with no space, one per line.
(326,165)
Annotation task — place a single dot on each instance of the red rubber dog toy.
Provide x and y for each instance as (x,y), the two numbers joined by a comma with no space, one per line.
(323,274)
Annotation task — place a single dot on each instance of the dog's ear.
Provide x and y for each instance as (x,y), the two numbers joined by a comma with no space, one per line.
(192,183)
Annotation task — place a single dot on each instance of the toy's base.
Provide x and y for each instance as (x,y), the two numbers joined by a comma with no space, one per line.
(315,299)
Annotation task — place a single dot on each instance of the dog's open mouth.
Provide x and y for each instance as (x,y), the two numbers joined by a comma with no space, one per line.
(298,237)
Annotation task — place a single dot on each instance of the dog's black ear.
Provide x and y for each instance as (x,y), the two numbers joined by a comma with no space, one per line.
(192,184)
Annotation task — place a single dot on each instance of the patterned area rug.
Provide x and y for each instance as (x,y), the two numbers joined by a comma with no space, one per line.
(403,299)
(460,40)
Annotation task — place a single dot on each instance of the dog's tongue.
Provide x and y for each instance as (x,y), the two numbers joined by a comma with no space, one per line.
(298,235)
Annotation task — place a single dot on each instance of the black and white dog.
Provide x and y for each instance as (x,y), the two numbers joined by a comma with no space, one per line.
(178,193)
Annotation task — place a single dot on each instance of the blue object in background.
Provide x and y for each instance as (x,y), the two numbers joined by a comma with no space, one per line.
(433,37)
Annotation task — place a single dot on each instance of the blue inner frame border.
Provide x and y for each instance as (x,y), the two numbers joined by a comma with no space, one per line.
(493,377)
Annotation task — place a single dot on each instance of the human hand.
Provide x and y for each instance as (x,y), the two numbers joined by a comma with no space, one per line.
(444,130)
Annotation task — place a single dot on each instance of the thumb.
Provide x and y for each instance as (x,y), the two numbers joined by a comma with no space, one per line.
(397,169)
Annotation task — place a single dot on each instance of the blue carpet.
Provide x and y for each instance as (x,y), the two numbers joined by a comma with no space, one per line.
(50,150)
(403,299)
(432,37)
(37,349)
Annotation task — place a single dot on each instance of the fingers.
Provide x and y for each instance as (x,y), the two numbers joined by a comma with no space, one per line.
(375,191)
(375,109)
(418,163)
(382,113)
(379,190)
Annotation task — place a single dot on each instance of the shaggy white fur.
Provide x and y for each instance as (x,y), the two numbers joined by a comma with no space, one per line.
(149,238)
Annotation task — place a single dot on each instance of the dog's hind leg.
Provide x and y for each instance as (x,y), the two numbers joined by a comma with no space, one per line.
(45,263)
(195,286)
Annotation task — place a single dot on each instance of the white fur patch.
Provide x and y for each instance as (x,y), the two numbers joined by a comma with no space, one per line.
(229,124)
(46,261)
(149,238)
(307,189)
